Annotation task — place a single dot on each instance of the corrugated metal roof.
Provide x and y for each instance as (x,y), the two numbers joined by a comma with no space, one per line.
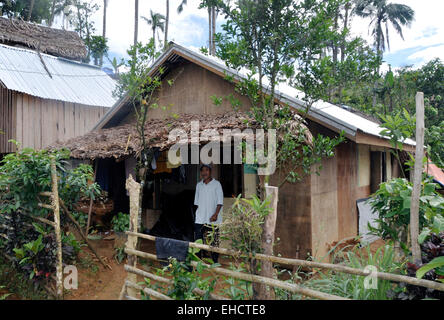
(22,70)
(326,112)
(322,111)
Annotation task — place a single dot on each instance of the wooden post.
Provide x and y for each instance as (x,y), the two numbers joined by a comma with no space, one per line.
(88,225)
(417,178)
(134,190)
(267,269)
(56,208)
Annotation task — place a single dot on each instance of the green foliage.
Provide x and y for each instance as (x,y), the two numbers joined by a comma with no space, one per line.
(99,47)
(120,222)
(5,295)
(19,283)
(20,8)
(243,225)
(392,203)
(352,286)
(186,278)
(270,55)
(26,173)
(437,264)
(23,176)
(237,289)
(119,253)
(398,128)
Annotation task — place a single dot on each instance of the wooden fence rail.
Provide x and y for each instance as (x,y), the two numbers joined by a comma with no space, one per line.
(129,289)
(312,264)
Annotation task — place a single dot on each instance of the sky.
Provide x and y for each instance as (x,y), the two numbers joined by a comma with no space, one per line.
(423,41)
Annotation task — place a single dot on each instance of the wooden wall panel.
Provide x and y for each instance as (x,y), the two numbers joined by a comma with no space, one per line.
(8,113)
(347,171)
(191,93)
(41,122)
(293,226)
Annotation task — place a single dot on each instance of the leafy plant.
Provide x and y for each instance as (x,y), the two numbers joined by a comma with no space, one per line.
(187,278)
(392,203)
(352,286)
(119,253)
(437,264)
(5,295)
(120,222)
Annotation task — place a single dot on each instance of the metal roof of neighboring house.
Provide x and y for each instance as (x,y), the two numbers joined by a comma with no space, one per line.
(24,71)
(326,113)
(437,174)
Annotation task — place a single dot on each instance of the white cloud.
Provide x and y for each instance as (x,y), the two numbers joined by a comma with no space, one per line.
(190,28)
(428,54)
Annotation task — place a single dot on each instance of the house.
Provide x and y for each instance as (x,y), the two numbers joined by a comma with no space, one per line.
(46,93)
(311,214)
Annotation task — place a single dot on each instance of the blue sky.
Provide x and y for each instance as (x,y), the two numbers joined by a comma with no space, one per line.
(424,40)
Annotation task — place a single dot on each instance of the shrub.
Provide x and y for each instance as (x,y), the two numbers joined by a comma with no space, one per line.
(392,203)
(120,222)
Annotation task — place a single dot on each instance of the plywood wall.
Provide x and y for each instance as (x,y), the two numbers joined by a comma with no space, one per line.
(191,94)
(293,226)
(7,123)
(41,122)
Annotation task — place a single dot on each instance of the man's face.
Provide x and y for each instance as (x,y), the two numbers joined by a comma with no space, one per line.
(205,173)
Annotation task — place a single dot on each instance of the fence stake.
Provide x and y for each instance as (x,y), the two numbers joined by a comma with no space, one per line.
(417,178)
(56,208)
(134,190)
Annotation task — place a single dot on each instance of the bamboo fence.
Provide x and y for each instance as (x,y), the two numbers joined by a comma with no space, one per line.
(130,287)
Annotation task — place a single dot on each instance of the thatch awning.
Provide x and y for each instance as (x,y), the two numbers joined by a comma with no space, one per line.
(61,43)
(122,141)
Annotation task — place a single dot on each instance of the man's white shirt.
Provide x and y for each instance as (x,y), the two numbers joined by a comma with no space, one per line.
(207,198)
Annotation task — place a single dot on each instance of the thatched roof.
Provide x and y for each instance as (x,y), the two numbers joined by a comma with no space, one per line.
(61,43)
(121,141)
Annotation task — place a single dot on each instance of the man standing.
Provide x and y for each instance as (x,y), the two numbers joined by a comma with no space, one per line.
(209,200)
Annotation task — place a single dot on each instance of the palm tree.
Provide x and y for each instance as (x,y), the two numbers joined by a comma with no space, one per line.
(167,19)
(156,21)
(105,6)
(136,22)
(167,22)
(31,8)
(382,14)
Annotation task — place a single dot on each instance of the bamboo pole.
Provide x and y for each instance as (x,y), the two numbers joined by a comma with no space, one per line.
(56,206)
(84,237)
(294,288)
(148,291)
(417,178)
(91,202)
(316,265)
(157,278)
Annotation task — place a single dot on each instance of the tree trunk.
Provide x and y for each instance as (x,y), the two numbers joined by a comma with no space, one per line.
(167,22)
(417,178)
(213,30)
(51,19)
(269,228)
(105,6)
(347,9)
(136,22)
(210,37)
(31,8)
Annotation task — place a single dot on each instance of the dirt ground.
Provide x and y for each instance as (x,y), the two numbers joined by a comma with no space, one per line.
(95,281)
